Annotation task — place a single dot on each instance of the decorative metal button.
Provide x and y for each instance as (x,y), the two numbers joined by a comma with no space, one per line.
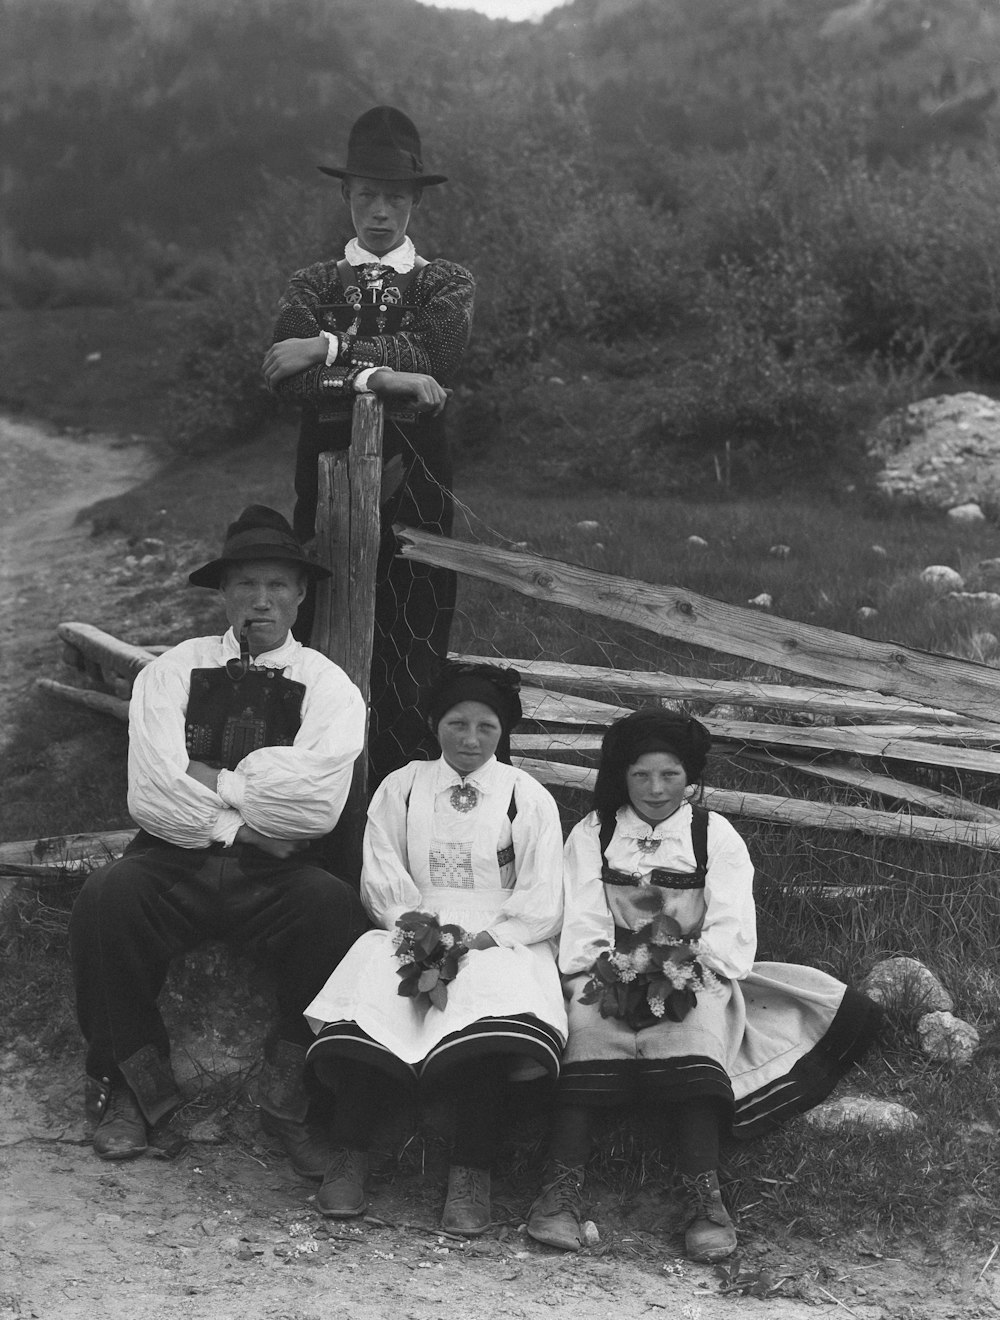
(464,797)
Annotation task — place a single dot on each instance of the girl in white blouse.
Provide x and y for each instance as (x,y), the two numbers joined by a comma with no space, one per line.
(761,1042)
(478,844)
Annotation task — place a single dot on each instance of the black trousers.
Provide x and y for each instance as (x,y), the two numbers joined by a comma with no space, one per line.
(159,901)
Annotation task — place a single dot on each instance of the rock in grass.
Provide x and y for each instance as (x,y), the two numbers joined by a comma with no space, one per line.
(697,543)
(966,515)
(762,602)
(942,578)
(984,599)
(589,526)
(861,1111)
(780,551)
(947,1039)
(906,986)
(941,452)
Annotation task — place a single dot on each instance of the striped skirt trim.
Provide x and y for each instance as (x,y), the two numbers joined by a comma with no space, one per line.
(346,1040)
(604,1083)
(853,1031)
(522,1035)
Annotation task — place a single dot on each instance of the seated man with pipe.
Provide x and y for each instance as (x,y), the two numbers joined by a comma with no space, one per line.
(241,751)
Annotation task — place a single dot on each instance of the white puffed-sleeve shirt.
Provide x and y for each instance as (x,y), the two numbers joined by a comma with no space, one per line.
(419,850)
(295,792)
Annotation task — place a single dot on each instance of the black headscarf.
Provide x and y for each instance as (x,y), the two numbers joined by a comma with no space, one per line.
(645,731)
(491,685)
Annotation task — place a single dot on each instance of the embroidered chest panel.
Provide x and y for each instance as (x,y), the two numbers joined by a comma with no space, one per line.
(228,718)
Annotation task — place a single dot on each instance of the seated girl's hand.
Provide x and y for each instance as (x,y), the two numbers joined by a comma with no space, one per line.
(571,982)
(484,940)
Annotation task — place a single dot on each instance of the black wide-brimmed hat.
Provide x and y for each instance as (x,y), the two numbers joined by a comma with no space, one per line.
(384,144)
(258,533)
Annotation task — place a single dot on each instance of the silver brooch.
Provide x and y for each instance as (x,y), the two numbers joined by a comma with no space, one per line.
(648,845)
(464,797)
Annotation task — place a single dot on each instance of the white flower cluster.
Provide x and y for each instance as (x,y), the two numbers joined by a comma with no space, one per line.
(624,966)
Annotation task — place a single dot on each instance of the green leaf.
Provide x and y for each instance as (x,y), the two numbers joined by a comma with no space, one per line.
(678,1004)
(438,995)
(665,929)
(428,979)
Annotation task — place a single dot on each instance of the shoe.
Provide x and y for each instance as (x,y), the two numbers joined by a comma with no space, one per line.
(342,1195)
(467,1205)
(556,1215)
(121,1132)
(709,1234)
(305,1144)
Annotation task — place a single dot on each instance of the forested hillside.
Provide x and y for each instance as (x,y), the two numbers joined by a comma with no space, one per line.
(744,228)
(125,117)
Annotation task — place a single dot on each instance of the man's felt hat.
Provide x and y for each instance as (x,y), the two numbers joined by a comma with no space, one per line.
(258,533)
(384,144)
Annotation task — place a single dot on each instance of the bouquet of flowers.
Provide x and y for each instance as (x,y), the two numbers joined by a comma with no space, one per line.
(652,976)
(429,955)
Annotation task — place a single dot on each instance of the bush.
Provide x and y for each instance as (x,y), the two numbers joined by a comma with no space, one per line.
(220,396)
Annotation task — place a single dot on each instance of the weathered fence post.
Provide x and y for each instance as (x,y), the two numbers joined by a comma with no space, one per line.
(347,541)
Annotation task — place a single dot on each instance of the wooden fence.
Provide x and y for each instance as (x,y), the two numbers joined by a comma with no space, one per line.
(890,703)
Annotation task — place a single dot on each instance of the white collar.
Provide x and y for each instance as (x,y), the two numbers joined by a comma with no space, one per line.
(277,659)
(632,826)
(447,776)
(401,259)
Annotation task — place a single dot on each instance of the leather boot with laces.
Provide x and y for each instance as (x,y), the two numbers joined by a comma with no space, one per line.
(556,1215)
(709,1233)
(342,1195)
(467,1206)
(121,1132)
(284,1110)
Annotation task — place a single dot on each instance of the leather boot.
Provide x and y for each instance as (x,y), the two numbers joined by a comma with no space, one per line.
(467,1206)
(342,1195)
(151,1081)
(121,1132)
(284,1110)
(709,1233)
(556,1215)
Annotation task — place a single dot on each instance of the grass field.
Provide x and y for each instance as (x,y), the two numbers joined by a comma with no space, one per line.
(65,769)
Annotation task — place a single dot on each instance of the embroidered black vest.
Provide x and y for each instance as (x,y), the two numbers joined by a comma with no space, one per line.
(235,710)
(660,876)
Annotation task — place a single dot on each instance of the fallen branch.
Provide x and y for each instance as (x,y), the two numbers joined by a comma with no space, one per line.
(831,739)
(791,811)
(869,782)
(649,685)
(64,852)
(103,702)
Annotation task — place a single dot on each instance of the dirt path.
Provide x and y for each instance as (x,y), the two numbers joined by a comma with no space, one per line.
(50,568)
(223,1231)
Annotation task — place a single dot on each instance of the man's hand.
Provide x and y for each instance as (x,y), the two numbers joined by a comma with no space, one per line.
(291,356)
(205,774)
(412,387)
(280,848)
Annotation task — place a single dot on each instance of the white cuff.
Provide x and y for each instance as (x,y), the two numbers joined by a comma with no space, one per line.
(361,379)
(332,347)
(226,826)
(229,787)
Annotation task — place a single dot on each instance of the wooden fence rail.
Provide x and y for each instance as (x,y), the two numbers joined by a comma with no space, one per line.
(893,703)
(803,648)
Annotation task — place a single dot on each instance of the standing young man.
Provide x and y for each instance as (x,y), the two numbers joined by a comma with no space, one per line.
(382,319)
